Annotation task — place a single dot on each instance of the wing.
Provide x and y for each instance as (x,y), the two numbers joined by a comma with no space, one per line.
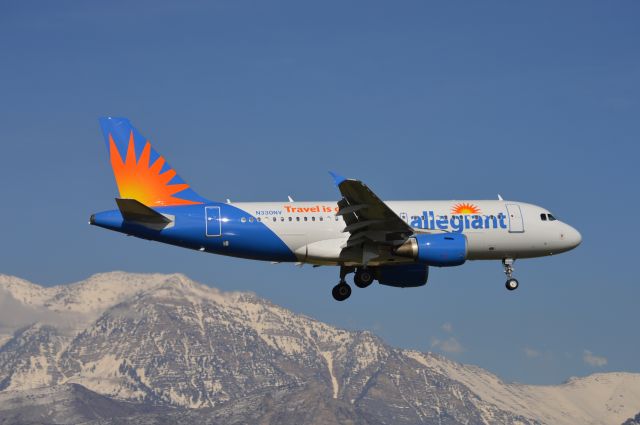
(374,229)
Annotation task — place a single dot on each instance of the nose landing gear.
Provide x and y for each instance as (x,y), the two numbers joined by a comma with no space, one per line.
(511,283)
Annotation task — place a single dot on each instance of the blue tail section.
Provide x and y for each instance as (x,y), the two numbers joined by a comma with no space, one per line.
(156,204)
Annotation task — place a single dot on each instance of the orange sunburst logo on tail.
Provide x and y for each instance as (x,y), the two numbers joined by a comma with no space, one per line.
(465,208)
(139,180)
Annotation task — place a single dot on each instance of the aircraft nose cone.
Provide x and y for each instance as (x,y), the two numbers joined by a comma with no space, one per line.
(573,238)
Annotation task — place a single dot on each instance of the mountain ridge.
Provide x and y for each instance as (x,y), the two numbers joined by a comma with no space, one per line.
(169,342)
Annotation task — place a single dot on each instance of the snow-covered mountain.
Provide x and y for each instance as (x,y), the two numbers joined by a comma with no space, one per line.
(163,345)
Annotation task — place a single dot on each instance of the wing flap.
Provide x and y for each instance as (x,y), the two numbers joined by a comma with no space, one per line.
(351,209)
(374,228)
(363,210)
(360,225)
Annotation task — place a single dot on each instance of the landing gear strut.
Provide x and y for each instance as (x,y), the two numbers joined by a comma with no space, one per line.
(342,290)
(511,283)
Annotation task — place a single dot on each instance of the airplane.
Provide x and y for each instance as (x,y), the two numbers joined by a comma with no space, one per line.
(391,242)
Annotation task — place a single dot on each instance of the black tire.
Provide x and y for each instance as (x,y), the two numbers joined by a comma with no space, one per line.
(363,278)
(511,284)
(341,291)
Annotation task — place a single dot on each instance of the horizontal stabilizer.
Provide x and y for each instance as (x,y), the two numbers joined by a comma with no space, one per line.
(138,212)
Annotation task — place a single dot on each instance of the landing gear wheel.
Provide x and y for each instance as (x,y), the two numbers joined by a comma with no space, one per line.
(341,291)
(511,283)
(363,278)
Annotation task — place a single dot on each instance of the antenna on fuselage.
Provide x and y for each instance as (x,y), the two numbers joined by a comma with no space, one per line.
(228,201)
(500,198)
(290,198)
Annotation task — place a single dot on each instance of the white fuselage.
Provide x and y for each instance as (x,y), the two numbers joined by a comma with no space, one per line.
(495,229)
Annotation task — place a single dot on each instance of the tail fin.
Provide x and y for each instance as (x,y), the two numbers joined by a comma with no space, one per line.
(140,172)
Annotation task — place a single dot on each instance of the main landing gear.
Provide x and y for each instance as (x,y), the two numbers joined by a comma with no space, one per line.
(512,283)
(363,277)
(342,290)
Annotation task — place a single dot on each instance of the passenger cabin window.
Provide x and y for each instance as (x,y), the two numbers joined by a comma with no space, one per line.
(243,219)
(543,217)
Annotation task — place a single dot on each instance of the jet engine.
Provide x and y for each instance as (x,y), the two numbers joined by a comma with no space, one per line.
(440,249)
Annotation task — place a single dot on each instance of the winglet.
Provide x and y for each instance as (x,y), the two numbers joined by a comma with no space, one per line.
(337,178)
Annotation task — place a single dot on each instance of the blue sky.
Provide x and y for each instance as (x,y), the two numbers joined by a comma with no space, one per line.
(538,101)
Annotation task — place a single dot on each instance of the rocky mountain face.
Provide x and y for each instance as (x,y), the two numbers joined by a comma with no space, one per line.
(633,421)
(153,349)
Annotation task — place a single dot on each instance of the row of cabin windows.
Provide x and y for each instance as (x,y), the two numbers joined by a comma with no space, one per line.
(282,219)
(543,217)
(445,217)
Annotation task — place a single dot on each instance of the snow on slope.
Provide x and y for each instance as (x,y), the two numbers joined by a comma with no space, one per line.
(4,338)
(604,398)
(334,382)
(97,293)
(70,307)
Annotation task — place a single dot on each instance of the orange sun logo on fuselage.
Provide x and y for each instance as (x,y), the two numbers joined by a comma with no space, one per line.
(139,180)
(465,208)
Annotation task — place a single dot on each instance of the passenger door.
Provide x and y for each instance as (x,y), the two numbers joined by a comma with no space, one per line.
(516,224)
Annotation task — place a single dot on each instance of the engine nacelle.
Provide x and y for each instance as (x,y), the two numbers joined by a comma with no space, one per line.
(440,249)
(403,276)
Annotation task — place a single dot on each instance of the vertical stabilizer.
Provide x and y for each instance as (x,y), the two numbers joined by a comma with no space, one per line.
(141,173)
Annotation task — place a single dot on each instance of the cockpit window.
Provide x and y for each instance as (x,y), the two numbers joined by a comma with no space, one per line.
(551,218)
(543,217)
